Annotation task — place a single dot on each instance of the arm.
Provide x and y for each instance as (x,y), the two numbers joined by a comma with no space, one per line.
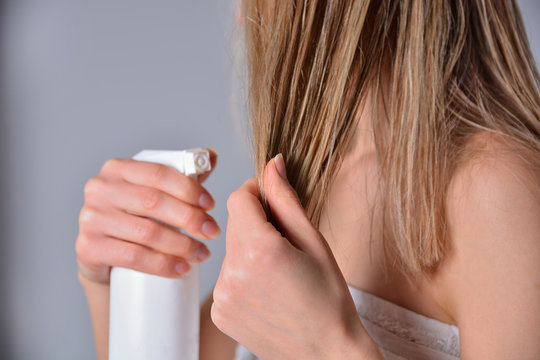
(281,293)
(214,344)
(97,296)
(116,229)
(494,266)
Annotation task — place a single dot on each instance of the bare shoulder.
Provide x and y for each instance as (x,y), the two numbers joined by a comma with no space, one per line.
(497,184)
(492,272)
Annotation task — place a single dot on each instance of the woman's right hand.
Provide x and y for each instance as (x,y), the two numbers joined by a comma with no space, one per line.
(116,226)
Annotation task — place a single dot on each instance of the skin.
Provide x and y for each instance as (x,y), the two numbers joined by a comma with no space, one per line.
(317,318)
(351,224)
(492,273)
(115,229)
(488,284)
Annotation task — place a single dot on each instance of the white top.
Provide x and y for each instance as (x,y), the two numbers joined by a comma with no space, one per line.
(399,333)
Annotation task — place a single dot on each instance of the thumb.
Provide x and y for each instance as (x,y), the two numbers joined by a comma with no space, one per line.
(286,208)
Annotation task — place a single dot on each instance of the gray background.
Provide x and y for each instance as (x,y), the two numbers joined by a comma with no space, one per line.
(84,81)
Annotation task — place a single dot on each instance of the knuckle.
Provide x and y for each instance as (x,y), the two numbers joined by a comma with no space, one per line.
(147,231)
(86,216)
(217,316)
(150,199)
(131,256)
(187,247)
(92,187)
(185,187)
(255,256)
(264,252)
(80,246)
(234,200)
(83,248)
(221,295)
(158,173)
(190,216)
(233,284)
(162,265)
(110,165)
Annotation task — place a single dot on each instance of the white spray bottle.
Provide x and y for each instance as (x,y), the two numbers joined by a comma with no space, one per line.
(153,317)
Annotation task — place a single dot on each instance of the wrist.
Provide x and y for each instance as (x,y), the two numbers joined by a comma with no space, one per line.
(356,344)
(87,282)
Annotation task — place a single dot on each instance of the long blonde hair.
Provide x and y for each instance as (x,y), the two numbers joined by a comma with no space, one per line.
(452,68)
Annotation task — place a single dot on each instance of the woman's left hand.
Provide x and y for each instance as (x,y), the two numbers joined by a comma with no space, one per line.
(281,293)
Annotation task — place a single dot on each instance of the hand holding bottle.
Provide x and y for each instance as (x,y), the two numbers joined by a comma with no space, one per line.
(117,226)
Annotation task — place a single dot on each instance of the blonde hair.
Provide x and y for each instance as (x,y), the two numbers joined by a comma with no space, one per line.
(444,70)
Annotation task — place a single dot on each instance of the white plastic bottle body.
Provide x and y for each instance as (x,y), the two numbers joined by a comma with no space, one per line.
(153,317)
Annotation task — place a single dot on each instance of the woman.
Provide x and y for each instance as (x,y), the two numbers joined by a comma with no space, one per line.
(403,204)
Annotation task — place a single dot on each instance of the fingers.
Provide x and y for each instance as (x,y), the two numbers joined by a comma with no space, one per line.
(151,202)
(117,226)
(161,177)
(249,234)
(286,208)
(246,215)
(101,251)
(144,231)
(244,205)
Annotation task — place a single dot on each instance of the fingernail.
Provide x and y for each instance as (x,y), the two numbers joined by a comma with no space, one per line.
(210,229)
(280,166)
(181,268)
(202,254)
(205,201)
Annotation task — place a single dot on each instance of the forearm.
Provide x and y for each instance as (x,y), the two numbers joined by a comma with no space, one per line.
(97,296)
(214,344)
